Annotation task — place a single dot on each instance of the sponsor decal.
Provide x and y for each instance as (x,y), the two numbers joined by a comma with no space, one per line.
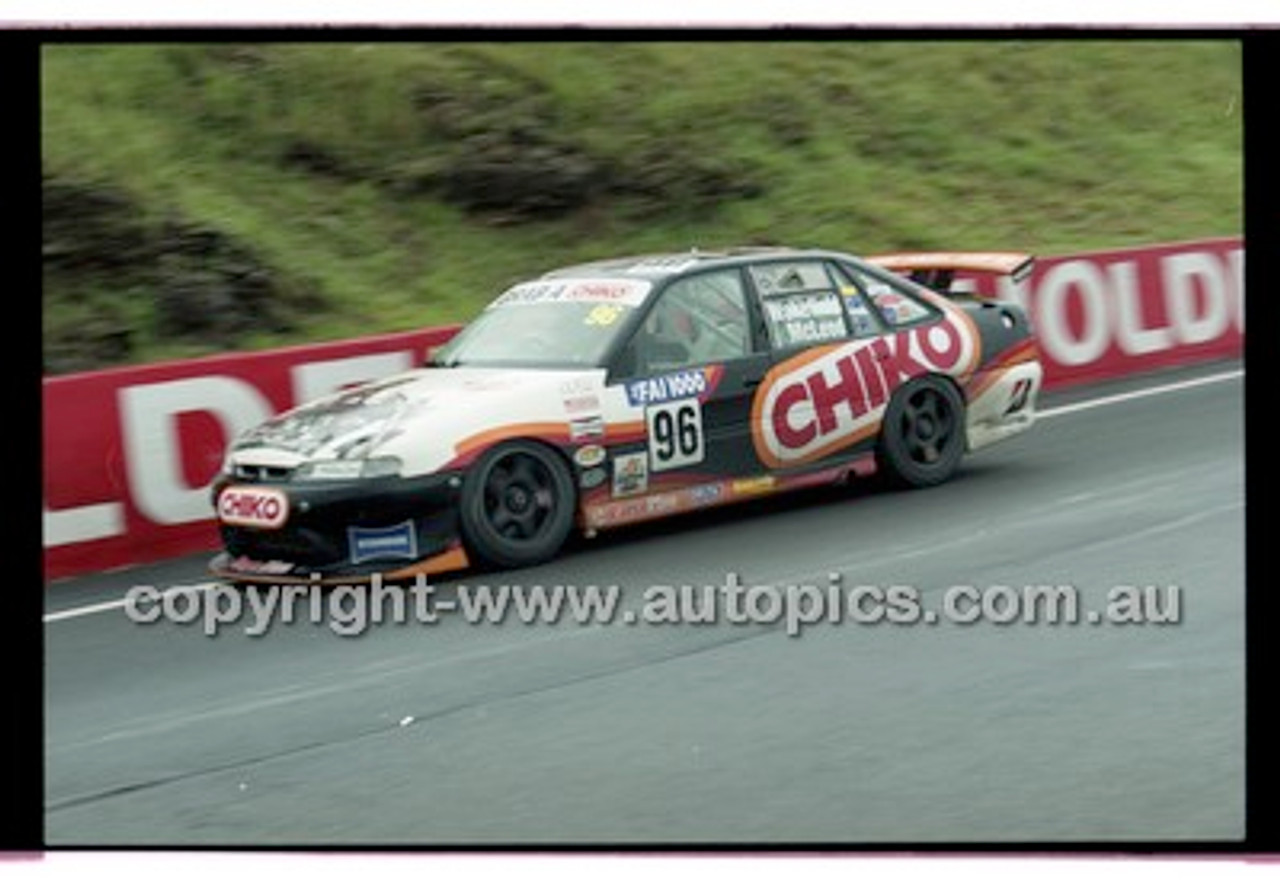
(664,504)
(617,512)
(1019,396)
(827,399)
(253,507)
(630,474)
(586,428)
(697,384)
(603,315)
(706,494)
(244,564)
(577,386)
(620,292)
(669,264)
(774,278)
(592,478)
(383,543)
(761,484)
(858,312)
(579,403)
(589,455)
(623,511)
(656,505)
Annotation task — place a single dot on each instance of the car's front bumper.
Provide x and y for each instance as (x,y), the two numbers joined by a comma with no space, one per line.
(347,530)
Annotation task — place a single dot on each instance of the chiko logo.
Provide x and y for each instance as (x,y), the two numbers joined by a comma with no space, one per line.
(819,403)
(253,507)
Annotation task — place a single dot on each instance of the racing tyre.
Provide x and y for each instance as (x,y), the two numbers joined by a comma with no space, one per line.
(922,438)
(517,505)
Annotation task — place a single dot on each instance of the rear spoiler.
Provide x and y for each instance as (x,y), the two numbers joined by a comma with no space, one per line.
(936,269)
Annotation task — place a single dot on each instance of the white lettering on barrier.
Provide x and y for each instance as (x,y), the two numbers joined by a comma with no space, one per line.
(315,379)
(153,455)
(153,452)
(1181,273)
(1236,259)
(1133,337)
(1202,299)
(1083,279)
(83,523)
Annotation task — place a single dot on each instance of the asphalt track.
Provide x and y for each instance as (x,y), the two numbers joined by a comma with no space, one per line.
(722,735)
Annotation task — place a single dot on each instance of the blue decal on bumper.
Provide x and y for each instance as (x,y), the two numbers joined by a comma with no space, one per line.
(383,543)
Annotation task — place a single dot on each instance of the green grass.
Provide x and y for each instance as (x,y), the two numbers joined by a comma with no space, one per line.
(1045,146)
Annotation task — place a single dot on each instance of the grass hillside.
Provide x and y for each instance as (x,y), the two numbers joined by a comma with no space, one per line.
(211,196)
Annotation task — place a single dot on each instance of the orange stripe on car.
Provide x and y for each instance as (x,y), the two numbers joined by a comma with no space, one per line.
(450,559)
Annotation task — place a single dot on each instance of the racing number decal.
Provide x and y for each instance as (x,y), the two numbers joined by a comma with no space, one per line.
(675,434)
(1018,396)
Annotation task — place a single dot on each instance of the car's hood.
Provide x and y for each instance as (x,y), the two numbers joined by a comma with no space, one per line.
(355,422)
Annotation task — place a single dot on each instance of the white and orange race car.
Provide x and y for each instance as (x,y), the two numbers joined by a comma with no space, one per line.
(631,389)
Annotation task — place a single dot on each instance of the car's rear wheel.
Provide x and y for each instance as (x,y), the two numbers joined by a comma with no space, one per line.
(517,505)
(922,438)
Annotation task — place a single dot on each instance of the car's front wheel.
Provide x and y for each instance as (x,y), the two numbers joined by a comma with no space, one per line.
(922,438)
(517,505)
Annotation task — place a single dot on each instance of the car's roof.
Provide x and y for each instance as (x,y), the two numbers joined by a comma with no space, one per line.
(660,265)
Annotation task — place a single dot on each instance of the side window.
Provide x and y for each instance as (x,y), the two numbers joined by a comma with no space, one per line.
(695,321)
(894,304)
(800,303)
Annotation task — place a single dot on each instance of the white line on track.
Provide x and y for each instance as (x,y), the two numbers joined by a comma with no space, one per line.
(1139,394)
(73,612)
(1075,407)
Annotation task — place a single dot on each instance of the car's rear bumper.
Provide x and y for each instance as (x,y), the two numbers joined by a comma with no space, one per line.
(345,530)
(1006,406)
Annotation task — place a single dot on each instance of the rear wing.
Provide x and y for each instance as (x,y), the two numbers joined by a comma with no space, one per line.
(936,270)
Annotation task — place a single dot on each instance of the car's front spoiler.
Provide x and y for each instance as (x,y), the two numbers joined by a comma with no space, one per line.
(452,559)
(339,531)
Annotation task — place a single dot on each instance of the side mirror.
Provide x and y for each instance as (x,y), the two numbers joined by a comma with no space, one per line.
(625,365)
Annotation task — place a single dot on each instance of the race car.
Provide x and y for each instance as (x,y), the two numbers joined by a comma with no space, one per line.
(631,389)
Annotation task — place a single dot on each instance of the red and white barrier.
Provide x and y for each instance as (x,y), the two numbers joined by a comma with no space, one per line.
(129,452)
(1112,313)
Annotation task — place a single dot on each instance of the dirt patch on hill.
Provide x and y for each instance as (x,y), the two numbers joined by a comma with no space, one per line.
(112,276)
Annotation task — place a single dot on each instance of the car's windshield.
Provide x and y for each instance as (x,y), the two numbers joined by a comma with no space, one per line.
(547,323)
